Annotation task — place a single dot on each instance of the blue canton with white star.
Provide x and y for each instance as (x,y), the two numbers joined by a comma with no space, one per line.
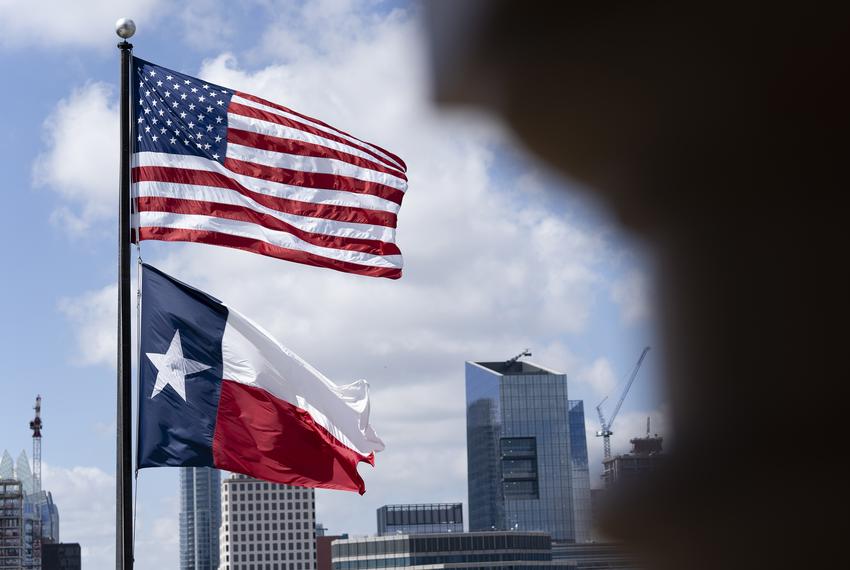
(178,114)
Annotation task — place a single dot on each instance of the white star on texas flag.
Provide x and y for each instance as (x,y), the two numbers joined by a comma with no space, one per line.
(172,368)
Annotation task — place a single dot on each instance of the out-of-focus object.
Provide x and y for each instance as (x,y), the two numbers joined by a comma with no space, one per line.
(714,132)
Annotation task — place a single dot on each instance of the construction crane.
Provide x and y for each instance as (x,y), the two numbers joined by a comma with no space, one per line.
(35,426)
(605,433)
(526,352)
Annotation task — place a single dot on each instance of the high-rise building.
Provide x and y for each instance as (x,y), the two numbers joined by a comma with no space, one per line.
(61,556)
(267,526)
(421,518)
(526,451)
(200,517)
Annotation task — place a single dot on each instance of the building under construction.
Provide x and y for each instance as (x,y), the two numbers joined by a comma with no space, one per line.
(28,516)
(11,525)
(645,457)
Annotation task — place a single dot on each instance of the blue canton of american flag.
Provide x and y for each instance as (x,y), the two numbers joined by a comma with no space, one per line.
(221,167)
(179,114)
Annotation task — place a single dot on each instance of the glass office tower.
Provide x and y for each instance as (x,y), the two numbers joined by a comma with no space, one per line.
(200,517)
(526,452)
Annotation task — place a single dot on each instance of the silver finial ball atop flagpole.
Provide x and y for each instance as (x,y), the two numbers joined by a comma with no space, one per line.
(125,28)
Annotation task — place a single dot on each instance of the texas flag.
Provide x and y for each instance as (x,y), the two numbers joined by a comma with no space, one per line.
(217,390)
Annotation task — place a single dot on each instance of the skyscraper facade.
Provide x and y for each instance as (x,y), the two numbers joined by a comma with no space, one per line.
(200,517)
(526,452)
(267,526)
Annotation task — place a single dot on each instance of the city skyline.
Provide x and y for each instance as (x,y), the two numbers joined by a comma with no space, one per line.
(516,262)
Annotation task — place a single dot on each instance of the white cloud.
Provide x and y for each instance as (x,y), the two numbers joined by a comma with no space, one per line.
(632,293)
(94,318)
(53,23)
(599,376)
(80,162)
(85,497)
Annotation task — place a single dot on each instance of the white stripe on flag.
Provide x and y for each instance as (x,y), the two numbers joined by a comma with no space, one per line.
(349,138)
(312,164)
(262,127)
(227,196)
(253,357)
(289,192)
(254,231)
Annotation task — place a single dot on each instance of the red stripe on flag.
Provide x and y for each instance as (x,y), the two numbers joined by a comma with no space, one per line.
(243,214)
(253,112)
(313,179)
(273,440)
(262,101)
(301,148)
(296,207)
(264,248)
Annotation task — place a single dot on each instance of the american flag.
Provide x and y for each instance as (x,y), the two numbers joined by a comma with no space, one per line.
(217,166)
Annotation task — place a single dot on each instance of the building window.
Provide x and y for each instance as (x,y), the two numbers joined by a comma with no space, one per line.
(519,467)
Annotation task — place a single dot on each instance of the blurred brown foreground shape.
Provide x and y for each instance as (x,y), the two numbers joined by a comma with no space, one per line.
(706,129)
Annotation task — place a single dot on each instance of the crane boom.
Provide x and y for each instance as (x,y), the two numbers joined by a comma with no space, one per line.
(628,385)
(605,432)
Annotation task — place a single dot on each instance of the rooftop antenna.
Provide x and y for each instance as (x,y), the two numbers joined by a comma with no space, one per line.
(35,426)
(526,352)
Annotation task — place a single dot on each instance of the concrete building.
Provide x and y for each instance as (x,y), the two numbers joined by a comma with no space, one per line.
(420,518)
(61,556)
(200,518)
(267,526)
(644,458)
(526,451)
(456,551)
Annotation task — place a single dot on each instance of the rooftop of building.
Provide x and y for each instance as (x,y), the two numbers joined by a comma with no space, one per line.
(404,506)
(515,368)
(421,536)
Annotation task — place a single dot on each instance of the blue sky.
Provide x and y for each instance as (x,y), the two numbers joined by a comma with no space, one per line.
(500,255)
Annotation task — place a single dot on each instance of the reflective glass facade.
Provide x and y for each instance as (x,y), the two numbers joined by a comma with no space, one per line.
(200,518)
(526,452)
(582,510)
(421,518)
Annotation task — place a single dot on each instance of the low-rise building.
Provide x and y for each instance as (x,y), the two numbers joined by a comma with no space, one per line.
(500,550)
(420,518)
(61,556)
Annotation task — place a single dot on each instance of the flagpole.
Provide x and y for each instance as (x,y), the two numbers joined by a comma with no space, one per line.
(125,28)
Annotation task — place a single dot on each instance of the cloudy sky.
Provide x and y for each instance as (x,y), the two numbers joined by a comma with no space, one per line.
(499,254)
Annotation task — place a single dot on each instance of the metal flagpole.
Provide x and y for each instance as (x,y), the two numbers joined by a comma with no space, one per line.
(125,28)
